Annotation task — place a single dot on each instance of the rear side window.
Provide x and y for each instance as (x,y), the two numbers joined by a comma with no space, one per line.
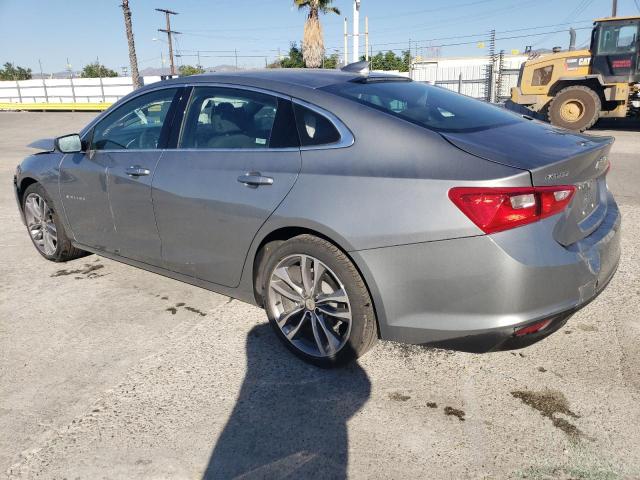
(314,129)
(425,105)
(220,117)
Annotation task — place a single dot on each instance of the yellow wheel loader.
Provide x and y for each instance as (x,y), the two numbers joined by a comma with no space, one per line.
(575,88)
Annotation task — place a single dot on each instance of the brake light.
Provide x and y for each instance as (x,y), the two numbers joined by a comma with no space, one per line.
(497,209)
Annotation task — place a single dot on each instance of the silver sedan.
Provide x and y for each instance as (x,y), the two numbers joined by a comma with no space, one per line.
(351,206)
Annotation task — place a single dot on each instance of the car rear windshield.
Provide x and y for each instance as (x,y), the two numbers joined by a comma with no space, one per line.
(425,105)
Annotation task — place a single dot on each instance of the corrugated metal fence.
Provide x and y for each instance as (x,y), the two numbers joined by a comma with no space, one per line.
(471,75)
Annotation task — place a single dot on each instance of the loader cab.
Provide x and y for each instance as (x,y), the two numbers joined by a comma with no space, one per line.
(615,48)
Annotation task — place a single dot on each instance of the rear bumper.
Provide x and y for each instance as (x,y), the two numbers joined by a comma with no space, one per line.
(472,293)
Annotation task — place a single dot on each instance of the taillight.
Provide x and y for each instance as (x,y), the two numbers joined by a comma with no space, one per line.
(497,209)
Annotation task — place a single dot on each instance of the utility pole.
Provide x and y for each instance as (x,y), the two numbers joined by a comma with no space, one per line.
(169,33)
(366,38)
(346,42)
(356,30)
(133,60)
(614,8)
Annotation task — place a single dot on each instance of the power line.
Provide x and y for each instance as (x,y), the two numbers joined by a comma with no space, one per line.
(582,6)
(486,36)
(430,10)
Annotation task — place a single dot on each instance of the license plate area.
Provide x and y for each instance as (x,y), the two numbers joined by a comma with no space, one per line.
(587,197)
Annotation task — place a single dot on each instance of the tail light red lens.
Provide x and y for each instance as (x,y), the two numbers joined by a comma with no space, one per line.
(497,209)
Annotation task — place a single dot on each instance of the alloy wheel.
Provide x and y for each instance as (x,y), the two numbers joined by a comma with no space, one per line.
(310,305)
(42,228)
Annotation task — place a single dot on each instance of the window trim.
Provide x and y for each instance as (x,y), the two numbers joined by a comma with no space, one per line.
(346,136)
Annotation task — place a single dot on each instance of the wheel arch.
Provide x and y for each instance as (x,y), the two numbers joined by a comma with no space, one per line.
(25,183)
(592,82)
(281,234)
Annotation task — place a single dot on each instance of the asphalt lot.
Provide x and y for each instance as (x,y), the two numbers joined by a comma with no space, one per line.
(107,371)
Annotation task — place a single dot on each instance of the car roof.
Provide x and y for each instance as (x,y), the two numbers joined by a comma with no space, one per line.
(299,77)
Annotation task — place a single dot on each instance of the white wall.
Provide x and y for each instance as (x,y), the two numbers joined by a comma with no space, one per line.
(65,90)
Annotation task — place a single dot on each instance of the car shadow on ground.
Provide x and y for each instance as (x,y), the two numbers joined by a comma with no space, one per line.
(290,418)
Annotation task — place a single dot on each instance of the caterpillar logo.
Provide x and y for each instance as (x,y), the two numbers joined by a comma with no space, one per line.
(576,63)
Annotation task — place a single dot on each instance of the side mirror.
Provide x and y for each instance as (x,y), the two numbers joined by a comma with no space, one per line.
(69,143)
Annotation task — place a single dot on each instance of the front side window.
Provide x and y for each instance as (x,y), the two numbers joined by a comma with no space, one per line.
(542,76)
(425,105)
(135,125)
(616,39)
(219,117)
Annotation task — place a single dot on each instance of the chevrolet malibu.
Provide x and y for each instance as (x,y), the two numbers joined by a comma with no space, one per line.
(350,206)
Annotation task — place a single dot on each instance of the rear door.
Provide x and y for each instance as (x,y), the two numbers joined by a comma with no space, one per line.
(129,142)
(236,159)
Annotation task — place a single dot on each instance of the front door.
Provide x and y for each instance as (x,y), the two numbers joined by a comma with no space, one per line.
(237,158)
(129,143)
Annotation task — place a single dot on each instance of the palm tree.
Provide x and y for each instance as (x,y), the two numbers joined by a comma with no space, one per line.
(313,43)
(133,60)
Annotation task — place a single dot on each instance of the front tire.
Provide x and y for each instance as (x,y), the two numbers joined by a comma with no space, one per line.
(575,108)
(45,227)
(317,302)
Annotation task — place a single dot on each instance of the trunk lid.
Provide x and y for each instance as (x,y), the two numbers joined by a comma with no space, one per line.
(553,157)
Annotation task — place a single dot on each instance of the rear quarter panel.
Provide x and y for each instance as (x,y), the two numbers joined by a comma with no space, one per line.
(391,186)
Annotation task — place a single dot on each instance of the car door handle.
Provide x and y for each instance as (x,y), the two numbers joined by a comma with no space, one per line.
(137,171)
(254,179)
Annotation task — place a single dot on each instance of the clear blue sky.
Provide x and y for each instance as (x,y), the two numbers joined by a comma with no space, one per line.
(82,30)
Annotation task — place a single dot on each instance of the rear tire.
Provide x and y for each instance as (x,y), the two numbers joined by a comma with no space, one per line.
(575,108)
(45,227)
(321,331)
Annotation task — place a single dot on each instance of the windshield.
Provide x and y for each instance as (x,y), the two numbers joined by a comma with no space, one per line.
(617,39)
(425,105)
